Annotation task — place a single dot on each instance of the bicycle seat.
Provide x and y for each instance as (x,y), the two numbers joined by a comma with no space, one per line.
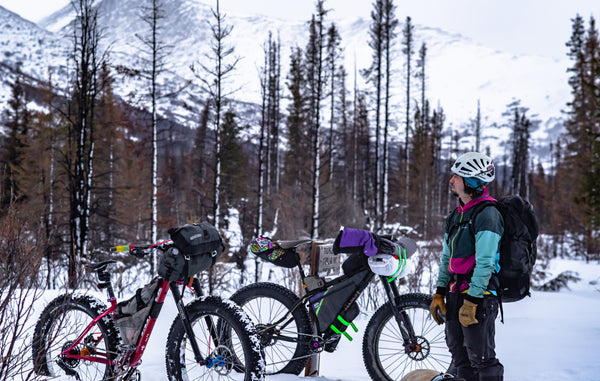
(101,266)
(293,244)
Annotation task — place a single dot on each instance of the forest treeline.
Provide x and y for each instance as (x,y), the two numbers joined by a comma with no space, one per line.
(85,170)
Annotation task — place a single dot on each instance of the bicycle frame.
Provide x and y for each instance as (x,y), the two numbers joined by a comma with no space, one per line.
(391,289)
(134,359)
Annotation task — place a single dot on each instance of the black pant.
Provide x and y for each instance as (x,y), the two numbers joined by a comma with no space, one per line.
(473,347)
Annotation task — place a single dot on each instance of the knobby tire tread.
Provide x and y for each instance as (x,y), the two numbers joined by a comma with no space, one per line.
(234,317)
(374,329)
(85,303)
(287,298)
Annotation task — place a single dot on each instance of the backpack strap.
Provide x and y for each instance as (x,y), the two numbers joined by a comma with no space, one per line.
(480,207)
(471,223)
(476,210)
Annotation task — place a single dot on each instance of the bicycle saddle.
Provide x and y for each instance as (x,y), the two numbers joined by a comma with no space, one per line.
(292,244)
(101,266)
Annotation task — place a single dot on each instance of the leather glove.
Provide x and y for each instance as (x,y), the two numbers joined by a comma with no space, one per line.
(438,308)
(466,314)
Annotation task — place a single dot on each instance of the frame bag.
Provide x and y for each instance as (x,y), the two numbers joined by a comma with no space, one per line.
(336,307)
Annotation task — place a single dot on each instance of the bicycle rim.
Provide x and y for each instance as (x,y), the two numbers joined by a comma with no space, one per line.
(220,346)
(430,351)
(277,352)
(64,330)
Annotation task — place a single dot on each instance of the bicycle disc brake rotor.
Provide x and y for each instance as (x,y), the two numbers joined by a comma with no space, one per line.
(420,350)
(221,360)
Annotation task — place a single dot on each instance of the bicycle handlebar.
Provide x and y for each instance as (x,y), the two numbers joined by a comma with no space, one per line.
(137,250)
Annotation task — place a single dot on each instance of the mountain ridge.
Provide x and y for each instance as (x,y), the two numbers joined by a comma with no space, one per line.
(460,71)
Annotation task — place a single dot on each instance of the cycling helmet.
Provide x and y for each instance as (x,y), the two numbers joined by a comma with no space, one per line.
(476,166)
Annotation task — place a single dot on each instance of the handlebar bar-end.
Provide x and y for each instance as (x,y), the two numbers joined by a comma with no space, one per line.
(122,248)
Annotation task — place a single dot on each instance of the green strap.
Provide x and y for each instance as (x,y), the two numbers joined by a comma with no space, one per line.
(344,322)
(334,329)
(401,264)
(321,303)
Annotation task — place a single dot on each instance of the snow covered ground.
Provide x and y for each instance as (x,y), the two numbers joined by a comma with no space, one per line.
(550,337)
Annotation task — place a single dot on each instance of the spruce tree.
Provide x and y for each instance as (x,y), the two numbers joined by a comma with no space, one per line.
(583,127)
(375,75)
(82,118)
(296,157)
(16,119)
(390,22)
(154,53)
(333,53)
(234,174)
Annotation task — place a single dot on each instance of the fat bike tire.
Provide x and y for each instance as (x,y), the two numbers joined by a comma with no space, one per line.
(59,326)
(225,336)
(286,347)
(384,353)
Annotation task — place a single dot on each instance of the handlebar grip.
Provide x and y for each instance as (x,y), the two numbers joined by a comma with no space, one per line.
(122,248)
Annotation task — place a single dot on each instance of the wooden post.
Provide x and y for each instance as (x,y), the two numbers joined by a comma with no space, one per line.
(312,366)
(322,262)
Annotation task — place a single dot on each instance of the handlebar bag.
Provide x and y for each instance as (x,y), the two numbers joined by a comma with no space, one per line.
(197,247)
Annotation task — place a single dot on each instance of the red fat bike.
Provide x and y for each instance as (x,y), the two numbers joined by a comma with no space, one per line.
(77,336)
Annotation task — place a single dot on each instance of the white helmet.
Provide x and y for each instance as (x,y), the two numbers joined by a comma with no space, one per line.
(475,164)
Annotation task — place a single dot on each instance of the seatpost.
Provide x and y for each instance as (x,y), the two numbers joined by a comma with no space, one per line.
(104,282)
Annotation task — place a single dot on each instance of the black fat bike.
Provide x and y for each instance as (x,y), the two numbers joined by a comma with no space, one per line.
(400,337)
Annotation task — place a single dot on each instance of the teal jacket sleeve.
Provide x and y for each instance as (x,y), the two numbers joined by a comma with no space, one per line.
(443,274)
(487,246)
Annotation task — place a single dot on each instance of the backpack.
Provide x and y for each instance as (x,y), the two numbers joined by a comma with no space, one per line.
(518,247)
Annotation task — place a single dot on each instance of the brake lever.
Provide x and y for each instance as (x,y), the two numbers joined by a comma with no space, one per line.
(138,252)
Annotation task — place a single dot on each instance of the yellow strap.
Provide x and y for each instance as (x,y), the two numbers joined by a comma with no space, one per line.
(467,290)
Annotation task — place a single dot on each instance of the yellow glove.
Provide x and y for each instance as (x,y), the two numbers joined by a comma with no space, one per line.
(466,314)
(438,308)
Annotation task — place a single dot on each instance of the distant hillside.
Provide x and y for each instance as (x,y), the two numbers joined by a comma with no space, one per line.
(459,71)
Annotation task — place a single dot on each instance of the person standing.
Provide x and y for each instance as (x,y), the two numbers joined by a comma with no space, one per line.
(465,289)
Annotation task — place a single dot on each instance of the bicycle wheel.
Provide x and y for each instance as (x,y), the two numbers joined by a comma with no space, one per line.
(59,326)
(286,346)
(224,334)
(384,353)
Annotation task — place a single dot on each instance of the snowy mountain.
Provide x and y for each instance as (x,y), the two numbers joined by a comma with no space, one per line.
(29,48)
(459,71)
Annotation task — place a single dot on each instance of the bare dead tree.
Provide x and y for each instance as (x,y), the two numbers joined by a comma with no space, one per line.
(213,76)
(20,261)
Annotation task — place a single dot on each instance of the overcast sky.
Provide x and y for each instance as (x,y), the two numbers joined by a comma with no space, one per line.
(539,27)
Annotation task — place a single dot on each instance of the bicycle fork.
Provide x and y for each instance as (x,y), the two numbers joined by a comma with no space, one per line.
(187,325)
(406,329)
